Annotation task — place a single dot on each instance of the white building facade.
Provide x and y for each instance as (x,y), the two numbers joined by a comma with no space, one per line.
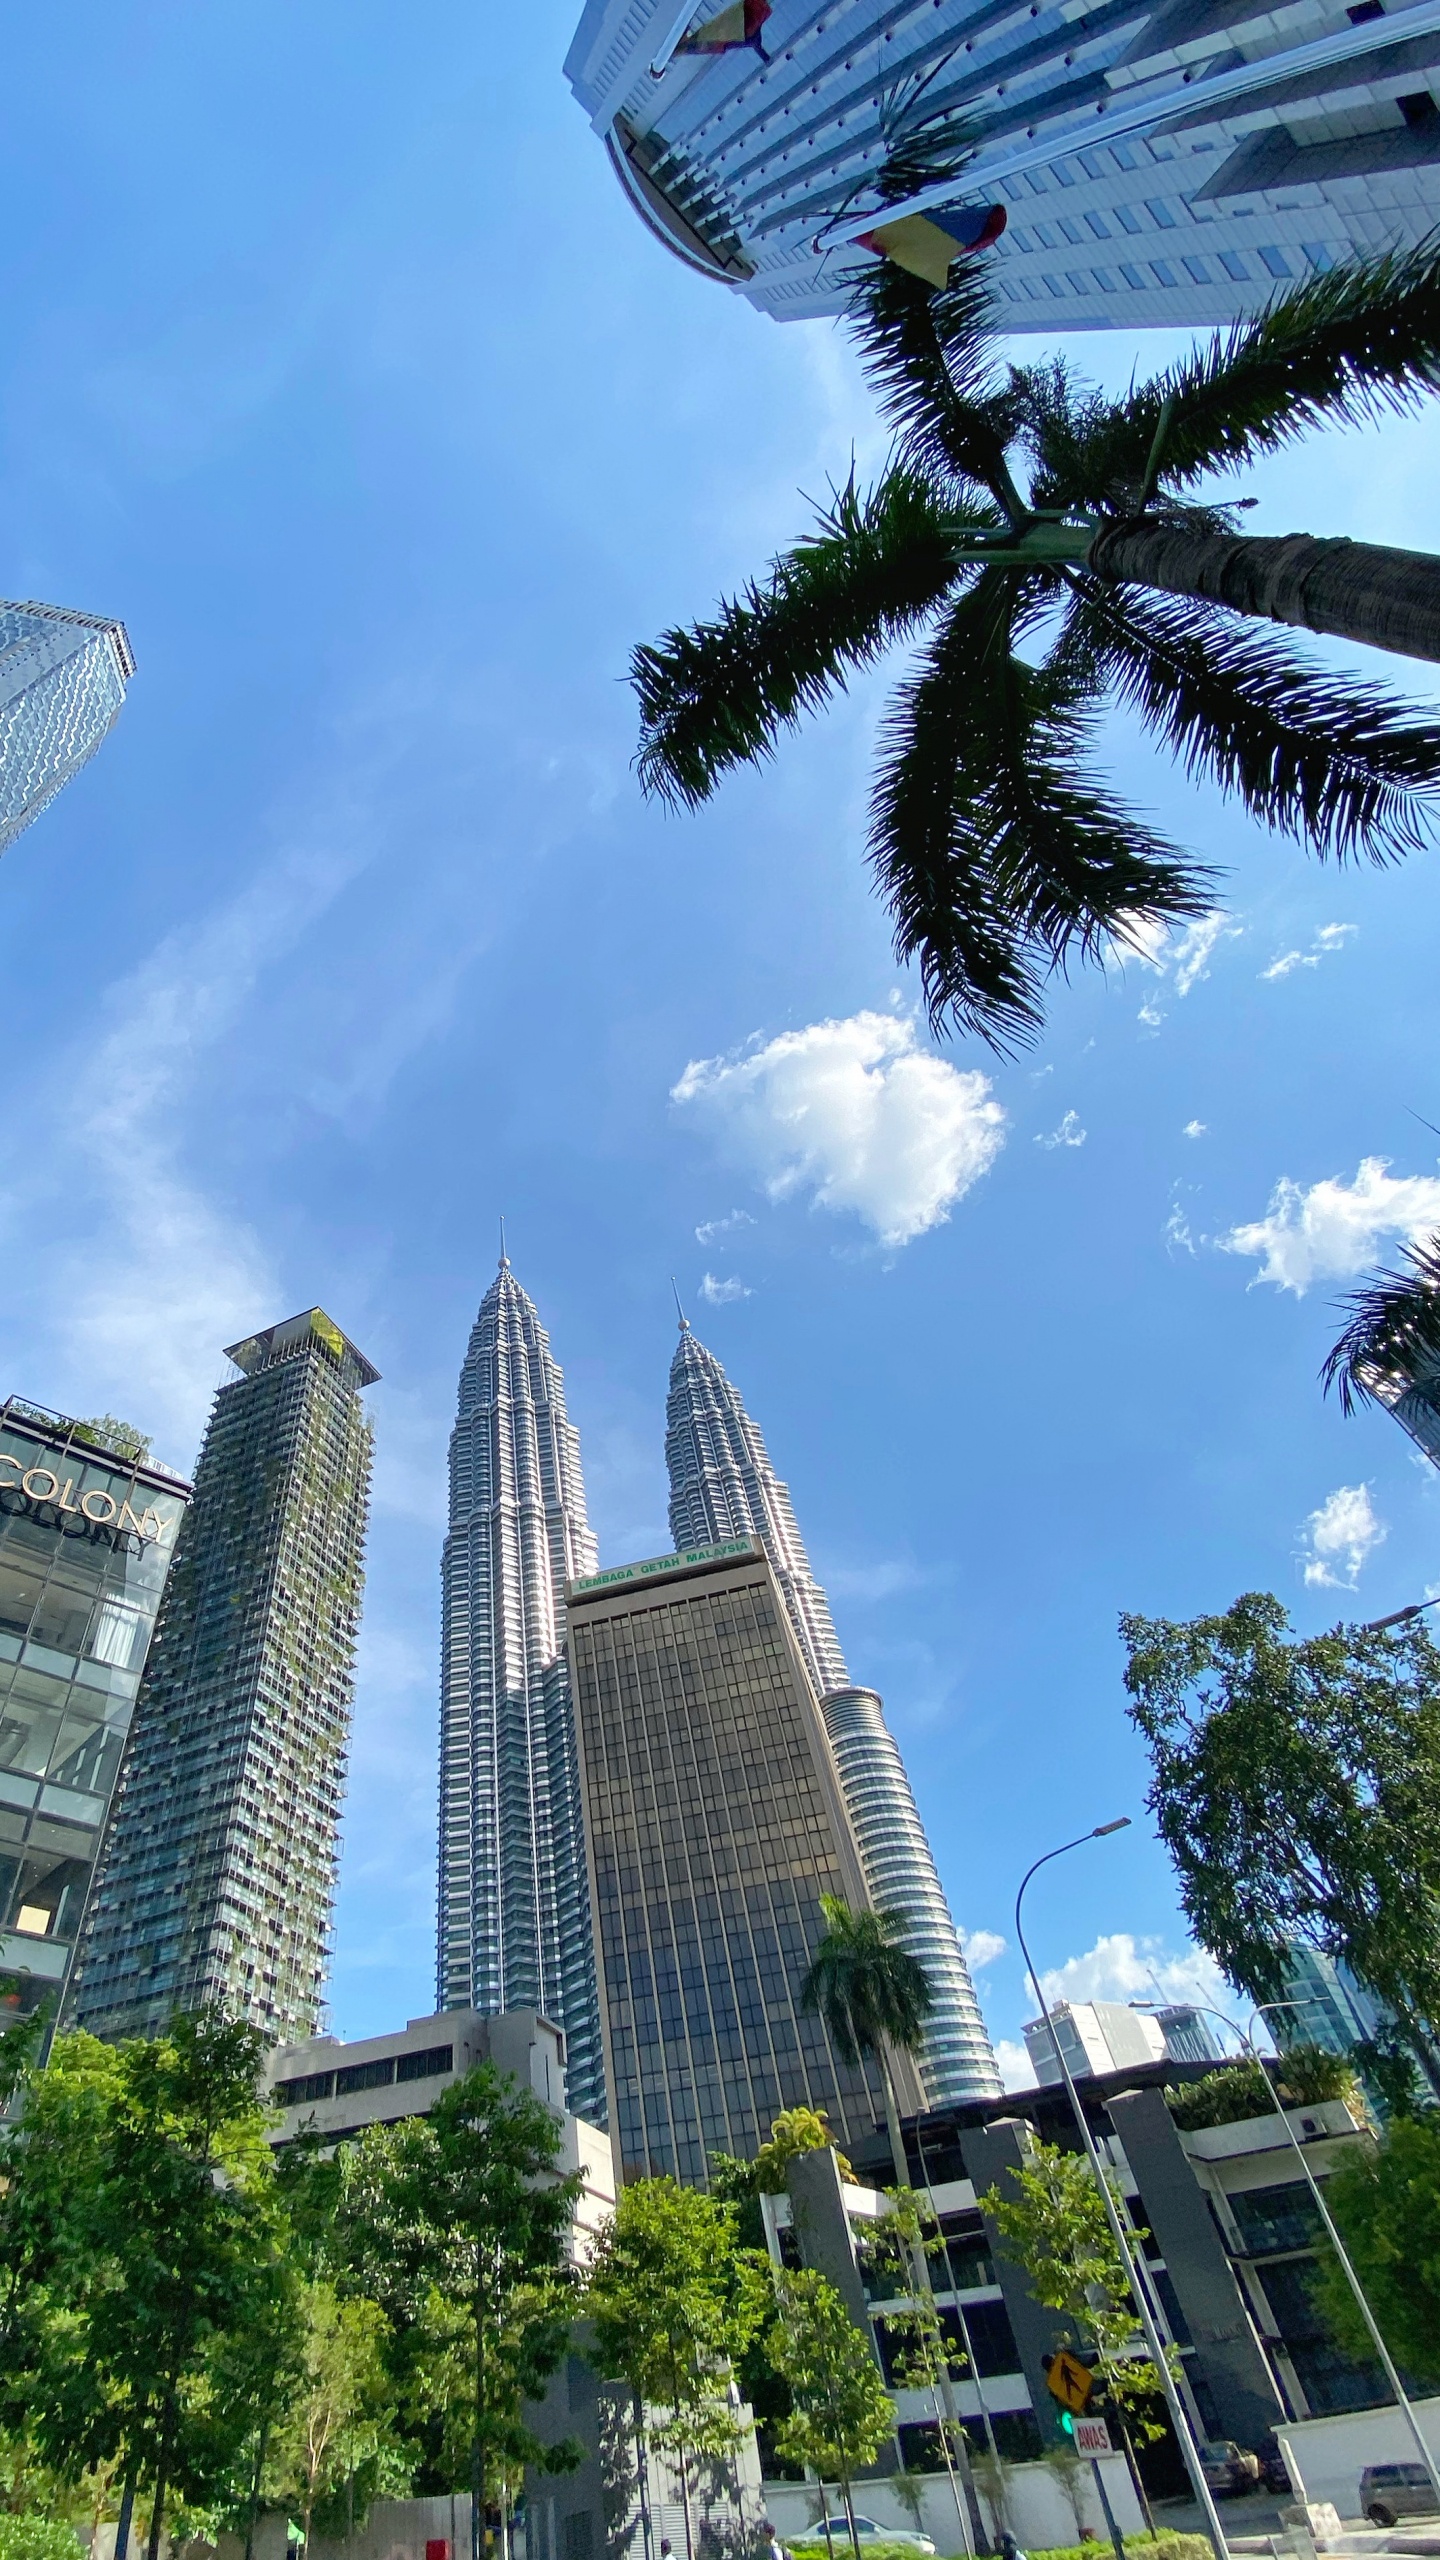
(1159,162)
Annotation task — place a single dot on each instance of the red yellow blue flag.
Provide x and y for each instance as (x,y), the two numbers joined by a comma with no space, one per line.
(732,27)
(928,244)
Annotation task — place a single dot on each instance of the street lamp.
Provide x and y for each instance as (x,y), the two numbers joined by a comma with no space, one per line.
(1179,2414)
(1402,2397)
(1397,1618)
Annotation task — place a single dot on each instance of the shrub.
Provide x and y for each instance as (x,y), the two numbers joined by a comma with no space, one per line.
(38,2538)
(1306,2076)
(1166,2546)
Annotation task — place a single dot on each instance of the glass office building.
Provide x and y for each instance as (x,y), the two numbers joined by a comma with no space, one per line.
(86,1540)
(62,682)
(714,1822)
(1157,162)
(218,1874)
(514,1917)
(722,1485)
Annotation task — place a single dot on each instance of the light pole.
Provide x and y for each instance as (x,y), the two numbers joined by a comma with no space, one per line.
(1397,1618)
(1402,2398)
(1179,2415)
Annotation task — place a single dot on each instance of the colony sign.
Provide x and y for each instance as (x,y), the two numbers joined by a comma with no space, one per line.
(43,1487)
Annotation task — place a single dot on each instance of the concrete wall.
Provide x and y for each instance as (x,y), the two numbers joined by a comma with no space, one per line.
(1033,2504)
(1327,2455)
(396,2529)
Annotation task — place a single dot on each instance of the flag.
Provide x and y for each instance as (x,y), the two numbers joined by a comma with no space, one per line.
(737,25)
(928,244)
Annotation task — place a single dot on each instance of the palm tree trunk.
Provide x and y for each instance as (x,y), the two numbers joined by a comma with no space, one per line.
(952,2433)
(1354,590)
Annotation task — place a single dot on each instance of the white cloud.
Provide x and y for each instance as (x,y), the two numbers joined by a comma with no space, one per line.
(855,1113)
(1335,1228)
(873,1582)
(1151,1015)
(1338,1539)
(981,1947)
(1123,1967)
(1191,955)
(713,1227)
(1177,1231)
(1017,2071)
(721,1293)
(1069,1133)
(1193,1129)
(1331,937)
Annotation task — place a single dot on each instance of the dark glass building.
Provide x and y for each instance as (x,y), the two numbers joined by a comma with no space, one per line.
(714,1821)
(86,1538)
(219,1869)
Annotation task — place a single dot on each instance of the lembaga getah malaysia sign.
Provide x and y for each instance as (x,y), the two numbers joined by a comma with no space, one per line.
(42,1486)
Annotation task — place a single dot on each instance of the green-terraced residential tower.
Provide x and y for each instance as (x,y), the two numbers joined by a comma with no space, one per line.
(218,1872)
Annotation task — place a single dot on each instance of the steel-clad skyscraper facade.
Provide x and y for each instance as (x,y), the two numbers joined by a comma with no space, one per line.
(722,1484)
(514,1920)
(217,1876)
(62,682)
(1160,162)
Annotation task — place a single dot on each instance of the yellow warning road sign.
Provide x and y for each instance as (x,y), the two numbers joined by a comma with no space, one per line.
(1070,2381)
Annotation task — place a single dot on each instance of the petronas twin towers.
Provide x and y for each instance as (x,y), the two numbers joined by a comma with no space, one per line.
(515,1925)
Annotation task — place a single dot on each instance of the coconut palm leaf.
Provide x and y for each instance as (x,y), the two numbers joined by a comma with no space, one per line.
(997,856)
(1331,760)
(719,695)
(928,359)
(1393,1336)
(865,1983)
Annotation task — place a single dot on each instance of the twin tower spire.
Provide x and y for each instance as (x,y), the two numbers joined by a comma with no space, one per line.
(514,1903)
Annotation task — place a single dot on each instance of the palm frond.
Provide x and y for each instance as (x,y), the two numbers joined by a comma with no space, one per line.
(1358,344)
(928,358)
(719,694)
(1345,766)
(1392,1340)
(998,857)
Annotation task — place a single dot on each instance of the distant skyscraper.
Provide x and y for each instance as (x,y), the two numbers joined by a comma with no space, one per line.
(1160,161)
(514,1901)
(218,1872)
(1095,2036)
(62,681)
(86,1538)
(716,1822)
(722,1484)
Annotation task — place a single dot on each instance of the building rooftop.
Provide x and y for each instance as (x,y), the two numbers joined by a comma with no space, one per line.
(281,1342)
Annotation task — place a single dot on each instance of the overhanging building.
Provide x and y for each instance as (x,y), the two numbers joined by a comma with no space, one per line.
(722,1485)
(62,682)
(86,1540)
(714,1821)
(218,1873)
(1159,162)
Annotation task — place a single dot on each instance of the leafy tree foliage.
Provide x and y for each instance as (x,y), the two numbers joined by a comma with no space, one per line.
(1053,2223)
(872,1993)
(1046,551)
(340,2413)
(1305,2076)
(1297,1787)
(1386,2203)
(841,2412)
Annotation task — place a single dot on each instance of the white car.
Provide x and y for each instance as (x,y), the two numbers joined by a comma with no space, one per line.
(866,2530)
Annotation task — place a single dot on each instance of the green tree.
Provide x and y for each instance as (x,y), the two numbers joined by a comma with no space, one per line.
(873,1995)
(457,2224)
(841,2413)
(1051,551)
(1386,2203)
(670,2318)
(794,2131)
(1053,2223)
(1297,1787)
(339,2416)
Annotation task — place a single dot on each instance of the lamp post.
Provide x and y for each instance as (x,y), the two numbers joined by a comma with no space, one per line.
(1179,2415)
(1397,1618)
(1402,2397)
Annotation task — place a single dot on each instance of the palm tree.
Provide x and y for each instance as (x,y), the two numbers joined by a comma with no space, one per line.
(1046,548)
(1391,1346)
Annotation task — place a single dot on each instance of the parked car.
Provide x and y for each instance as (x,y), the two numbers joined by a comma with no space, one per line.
(1229,2470)
(1273,2474)
(1390,2490)
(866,2530)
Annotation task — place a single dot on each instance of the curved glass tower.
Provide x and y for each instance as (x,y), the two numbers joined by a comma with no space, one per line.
(514,1902)
(721,1484)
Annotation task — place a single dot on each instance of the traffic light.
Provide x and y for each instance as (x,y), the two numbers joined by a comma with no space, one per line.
(1067,2423)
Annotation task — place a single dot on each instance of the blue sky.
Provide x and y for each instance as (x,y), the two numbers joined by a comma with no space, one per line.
(336,365)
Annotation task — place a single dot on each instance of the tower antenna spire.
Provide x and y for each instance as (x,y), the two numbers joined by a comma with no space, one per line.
(504,1256)
(679,1310)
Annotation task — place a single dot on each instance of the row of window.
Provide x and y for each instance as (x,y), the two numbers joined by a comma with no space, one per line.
(354,2076)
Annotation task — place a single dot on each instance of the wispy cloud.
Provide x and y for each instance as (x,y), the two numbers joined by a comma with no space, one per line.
(1182,958)
(1339,1538)
(1193,1129)
(1068,1134)
(981,1947)
(1335,1228)
(1331,937)
(712,1229)
(722,1293)
(854,1113)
